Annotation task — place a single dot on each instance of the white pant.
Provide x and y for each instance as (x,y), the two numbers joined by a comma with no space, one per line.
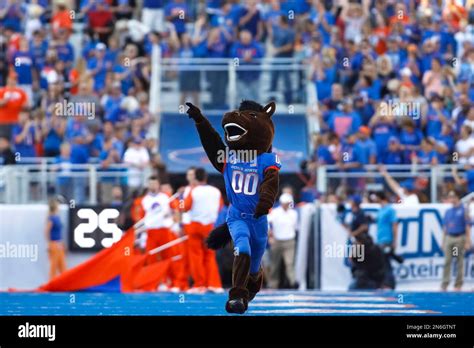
(154,19)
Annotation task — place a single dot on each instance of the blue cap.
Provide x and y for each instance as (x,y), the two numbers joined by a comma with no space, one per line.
(357,199)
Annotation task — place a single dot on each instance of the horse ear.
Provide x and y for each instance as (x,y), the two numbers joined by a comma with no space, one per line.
(269,109)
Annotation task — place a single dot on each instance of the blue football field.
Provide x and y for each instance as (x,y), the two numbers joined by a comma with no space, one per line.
(267,303)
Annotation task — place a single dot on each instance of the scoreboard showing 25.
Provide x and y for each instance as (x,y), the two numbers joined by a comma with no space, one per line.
(93,228)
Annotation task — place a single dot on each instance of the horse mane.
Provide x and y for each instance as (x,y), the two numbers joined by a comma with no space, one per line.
(250,105)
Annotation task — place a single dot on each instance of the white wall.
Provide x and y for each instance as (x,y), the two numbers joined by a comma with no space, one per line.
(23,225)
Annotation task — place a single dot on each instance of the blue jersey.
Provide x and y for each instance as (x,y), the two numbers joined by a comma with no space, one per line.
(455,220)
(242,180)
(56,227)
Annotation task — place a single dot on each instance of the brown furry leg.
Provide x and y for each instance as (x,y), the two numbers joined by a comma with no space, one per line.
(238,294)
(255,283)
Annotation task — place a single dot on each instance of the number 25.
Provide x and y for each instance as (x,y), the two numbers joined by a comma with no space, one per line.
(94,220)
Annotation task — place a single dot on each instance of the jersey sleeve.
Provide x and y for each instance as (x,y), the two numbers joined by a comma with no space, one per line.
(393,216)
(270,161)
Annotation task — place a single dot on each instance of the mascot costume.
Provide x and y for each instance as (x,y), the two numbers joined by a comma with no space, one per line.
(251,188)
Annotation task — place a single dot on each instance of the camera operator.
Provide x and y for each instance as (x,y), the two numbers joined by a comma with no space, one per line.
(368,265)
(359,223)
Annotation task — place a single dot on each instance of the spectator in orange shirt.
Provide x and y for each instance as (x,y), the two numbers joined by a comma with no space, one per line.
(454,13)
(401,15)
(61,18)
(12,100)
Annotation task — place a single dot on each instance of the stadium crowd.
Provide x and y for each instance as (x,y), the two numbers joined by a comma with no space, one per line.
(394,80)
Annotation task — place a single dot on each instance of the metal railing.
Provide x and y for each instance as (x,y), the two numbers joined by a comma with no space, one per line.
(39,178)
(368,176)
(81,183)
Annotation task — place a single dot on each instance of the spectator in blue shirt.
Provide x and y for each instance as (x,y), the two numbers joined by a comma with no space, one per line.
(79,136)
(325,73)
(410,140)
(272,16)
(325,20)
(444,143)
(22,61)
(429,53)
(64,48)
(113,50)
(323,154)
(427,153)
(110,102)
(177,12)
(249,18)
(247,50)
(365,147)
(363,106)
(435,116)
(53,132)
(222,16)
(387,230)
(283,41)
(11,15)
(38,49)
(25,134)
(456,240)
(349,157)
(393,155)
(97,67)
(345,121)
(123,73)
(394,52)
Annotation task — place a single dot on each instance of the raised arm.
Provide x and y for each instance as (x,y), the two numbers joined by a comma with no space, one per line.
(457,179)
(210,139)
(394,186)
(268,192)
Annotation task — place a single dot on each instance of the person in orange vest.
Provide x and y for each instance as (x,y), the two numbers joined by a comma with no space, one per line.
(203,204)
(158,222)
(182,218)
